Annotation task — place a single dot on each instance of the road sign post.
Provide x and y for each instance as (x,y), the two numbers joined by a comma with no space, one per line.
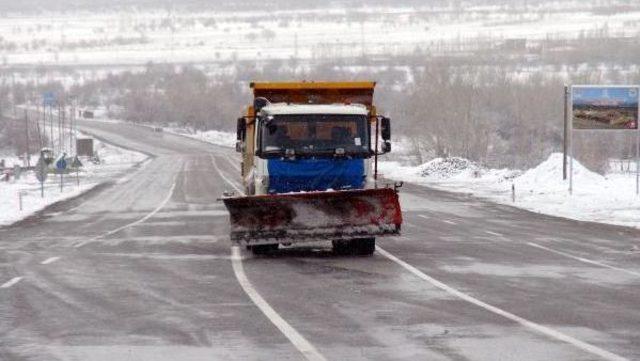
(77,164)
(565,139)
(61,165)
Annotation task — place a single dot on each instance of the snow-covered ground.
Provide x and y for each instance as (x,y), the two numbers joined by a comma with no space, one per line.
(115,162)
(76,46)
(217,137)
(607,199)
(137,37)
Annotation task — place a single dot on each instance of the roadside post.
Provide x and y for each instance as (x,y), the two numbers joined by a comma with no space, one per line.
(17,171)
(61,165)
(41,173)
(565,139)
(20,195)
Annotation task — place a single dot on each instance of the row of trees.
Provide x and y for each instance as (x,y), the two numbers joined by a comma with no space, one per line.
(478,107)
(165,95)
(484,115)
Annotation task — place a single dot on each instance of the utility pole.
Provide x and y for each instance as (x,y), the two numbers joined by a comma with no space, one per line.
(13,94)
(565,137)
(60,138)
(38,124)
(71,128)
(26,133)
(51,126)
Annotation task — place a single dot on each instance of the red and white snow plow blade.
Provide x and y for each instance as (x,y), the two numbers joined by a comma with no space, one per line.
(313,216)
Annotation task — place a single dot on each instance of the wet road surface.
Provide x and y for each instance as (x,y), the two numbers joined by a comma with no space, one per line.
(142,269)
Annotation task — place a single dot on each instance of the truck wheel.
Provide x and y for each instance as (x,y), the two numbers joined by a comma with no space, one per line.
(342,247)
(355,247)
(364,246)
(261,249)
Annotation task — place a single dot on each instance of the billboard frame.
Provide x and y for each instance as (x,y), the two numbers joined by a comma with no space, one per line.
(568,126)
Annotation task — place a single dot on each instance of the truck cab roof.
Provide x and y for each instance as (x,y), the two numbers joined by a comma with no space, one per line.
(286,108)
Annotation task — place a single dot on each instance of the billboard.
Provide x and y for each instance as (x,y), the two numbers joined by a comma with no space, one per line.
(604,107)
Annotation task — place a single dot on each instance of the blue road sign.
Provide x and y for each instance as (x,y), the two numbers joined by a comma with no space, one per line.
(48,98)
(61,164)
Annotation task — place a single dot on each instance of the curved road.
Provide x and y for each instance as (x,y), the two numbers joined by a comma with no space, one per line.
(142,269)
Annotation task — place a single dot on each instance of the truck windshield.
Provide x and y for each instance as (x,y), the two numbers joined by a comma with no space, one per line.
(315,134)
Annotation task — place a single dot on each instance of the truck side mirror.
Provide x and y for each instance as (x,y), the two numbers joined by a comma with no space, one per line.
(385,128)
(239,146)
(241,128)
(386,147)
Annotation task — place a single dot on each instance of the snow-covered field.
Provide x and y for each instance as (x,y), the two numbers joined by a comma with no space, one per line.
(102,42)
(217,137)
(115,163)
(607,199)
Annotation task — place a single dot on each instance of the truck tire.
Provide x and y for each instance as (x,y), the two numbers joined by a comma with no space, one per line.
(364,246)
(342,247)
(355,247)
(262,249)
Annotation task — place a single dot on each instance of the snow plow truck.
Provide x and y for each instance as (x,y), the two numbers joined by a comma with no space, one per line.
(309,169)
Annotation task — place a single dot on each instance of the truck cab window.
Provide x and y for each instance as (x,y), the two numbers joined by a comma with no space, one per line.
(316,134)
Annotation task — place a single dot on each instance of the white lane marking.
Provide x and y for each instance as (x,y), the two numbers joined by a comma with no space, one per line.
(306,348)
(448,221)
(230,182)
(12,282)
(232,162)
(423,216)
(170,257)
(524,322)
(151,214)
(494,233)
(584,260)
(50,260)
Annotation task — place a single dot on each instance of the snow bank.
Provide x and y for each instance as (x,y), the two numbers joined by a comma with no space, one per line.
(448,167)
(115,162)
(217,137)
(597,198)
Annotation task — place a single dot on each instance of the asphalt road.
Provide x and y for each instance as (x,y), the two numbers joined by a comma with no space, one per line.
(142,269)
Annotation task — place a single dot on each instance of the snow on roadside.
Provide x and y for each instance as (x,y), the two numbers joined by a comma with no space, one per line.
(115,162)
(217,137)
(595,198)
